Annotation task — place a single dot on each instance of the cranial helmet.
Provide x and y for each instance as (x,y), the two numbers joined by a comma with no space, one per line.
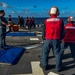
(54,11)
(71,19)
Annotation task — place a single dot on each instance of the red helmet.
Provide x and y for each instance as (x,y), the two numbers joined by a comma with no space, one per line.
(54,11)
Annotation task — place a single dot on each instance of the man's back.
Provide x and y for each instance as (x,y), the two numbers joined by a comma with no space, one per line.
(53,28)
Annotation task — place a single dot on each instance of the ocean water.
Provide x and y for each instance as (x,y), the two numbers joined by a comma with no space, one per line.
(37,20)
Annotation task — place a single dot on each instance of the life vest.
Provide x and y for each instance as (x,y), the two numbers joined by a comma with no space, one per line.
(15,28)
(53,28)
(28,21)
(69,33)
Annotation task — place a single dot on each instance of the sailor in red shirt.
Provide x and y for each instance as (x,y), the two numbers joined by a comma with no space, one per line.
(52,34)
(69,38)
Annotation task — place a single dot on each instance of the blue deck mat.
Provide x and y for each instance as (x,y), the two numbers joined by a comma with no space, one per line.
(20,34)
(11,55)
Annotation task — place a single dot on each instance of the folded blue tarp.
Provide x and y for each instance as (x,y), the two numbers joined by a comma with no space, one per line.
(20,34)
(11,55)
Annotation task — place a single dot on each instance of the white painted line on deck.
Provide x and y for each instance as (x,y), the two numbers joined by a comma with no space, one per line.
(30,47)
(5,63)
(34,46)
(39,35)
(21,74)
(38,32)
(52,73)
(36,70)
(34,39)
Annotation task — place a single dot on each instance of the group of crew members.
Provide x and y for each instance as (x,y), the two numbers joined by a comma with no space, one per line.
(29,22)
(56,35)
(21,21)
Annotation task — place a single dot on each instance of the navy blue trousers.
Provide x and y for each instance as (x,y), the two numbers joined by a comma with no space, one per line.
(2,37)
(64,45)
(55,45)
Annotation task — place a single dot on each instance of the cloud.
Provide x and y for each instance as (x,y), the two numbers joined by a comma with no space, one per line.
(26,10)
(4,5)
(13,12)
(63,11)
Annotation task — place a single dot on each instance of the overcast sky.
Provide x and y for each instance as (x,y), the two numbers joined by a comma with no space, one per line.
(37,8)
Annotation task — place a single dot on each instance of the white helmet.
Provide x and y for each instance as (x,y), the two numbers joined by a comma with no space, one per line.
(54,11)
(71,19)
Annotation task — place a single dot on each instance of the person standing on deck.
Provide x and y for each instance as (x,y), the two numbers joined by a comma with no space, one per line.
(69,38)
(9,19)
(10,22)
(19,21)
(28,22)
(22,22)
(3,24)
(33,22)
(53,31)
